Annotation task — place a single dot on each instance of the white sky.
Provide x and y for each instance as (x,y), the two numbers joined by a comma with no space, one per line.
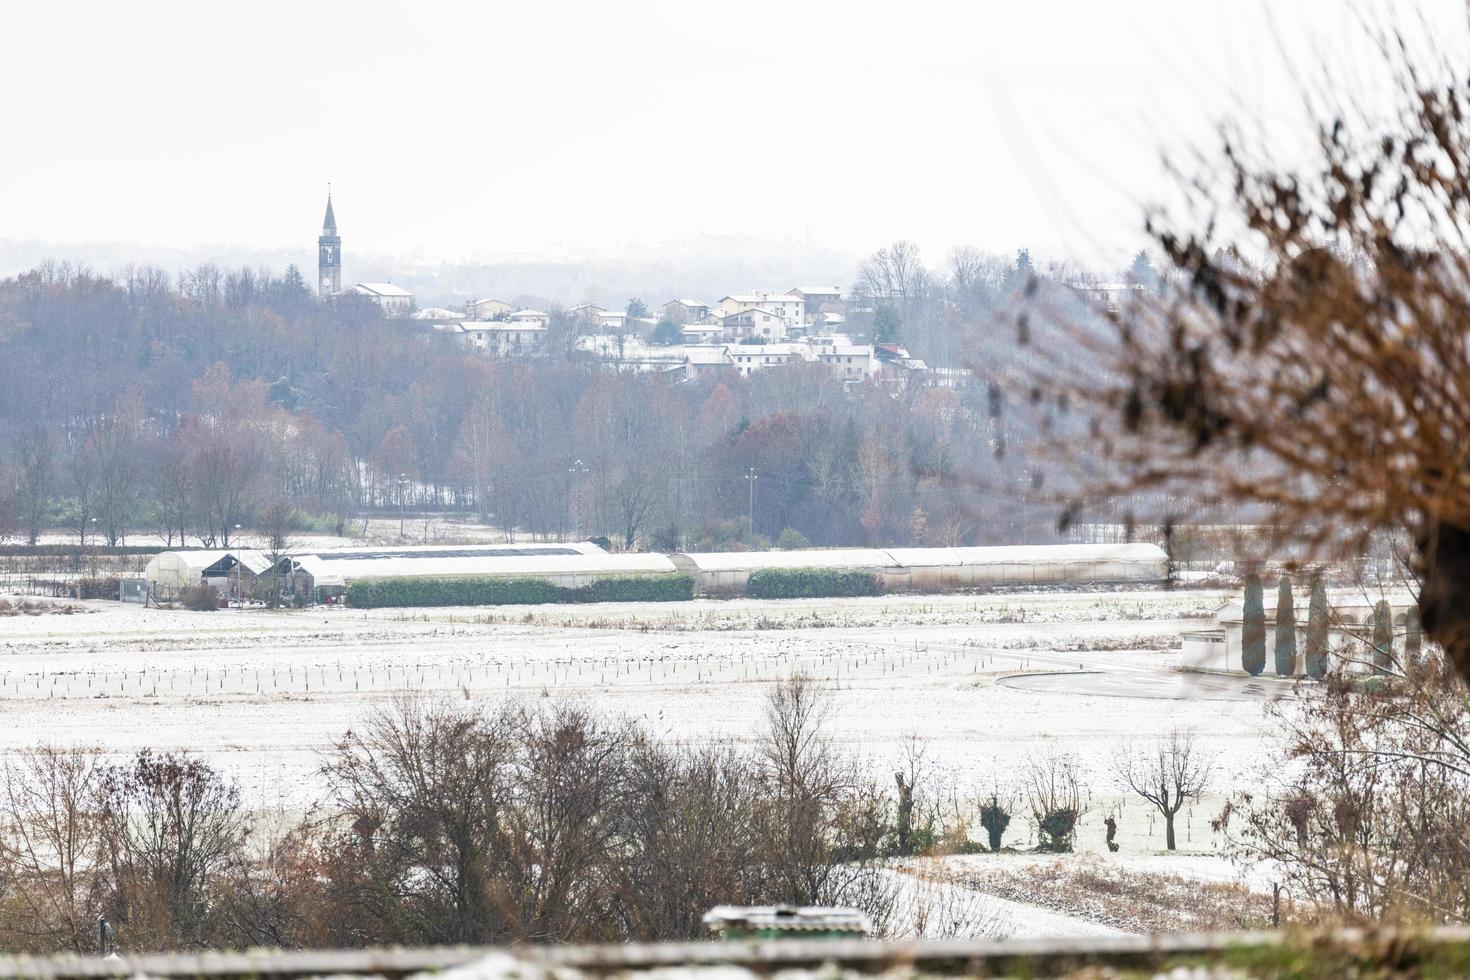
(469,130)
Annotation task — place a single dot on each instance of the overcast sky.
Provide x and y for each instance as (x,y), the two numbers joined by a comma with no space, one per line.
(482,129)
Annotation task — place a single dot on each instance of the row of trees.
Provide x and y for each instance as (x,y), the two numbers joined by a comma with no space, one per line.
(128,405)
(450,822)
(1379,632)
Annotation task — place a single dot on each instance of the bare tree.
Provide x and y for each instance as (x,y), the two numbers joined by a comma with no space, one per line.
(51,855)
(1169,775)
(1309,364)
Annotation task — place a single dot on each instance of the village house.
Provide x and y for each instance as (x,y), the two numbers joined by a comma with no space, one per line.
(391,299)
(529,318)
(756,322)
(682,312)
(817,301)
(487,309)
(506,339)
(789,308)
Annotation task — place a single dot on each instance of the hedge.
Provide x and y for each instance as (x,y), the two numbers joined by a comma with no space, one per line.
(496,591)
(810,583)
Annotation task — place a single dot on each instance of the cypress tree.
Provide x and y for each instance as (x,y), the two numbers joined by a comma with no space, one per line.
(1285,629)
(1382,638)
(1317,630)
(1413,640)
(1253,627)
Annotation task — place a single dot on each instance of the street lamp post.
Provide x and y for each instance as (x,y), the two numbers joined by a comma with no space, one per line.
(750,478)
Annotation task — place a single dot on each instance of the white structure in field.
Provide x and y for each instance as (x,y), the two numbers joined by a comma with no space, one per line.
(230,571)
(330,572)
(939,569)
(1349,633)
(391,299)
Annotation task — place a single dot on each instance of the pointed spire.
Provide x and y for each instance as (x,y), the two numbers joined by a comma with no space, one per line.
(329,223)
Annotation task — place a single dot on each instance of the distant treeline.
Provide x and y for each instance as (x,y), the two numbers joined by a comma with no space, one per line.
(219,401)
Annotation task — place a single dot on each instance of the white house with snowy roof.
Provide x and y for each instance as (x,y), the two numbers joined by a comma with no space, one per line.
(392,300)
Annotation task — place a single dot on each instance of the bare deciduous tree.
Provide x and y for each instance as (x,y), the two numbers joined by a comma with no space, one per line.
(1168,775)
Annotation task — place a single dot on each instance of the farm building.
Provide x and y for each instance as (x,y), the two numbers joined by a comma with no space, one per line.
(232,572)
(940,569)
(326,574)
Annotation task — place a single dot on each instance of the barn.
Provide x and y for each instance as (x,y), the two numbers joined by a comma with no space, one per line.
(940,569)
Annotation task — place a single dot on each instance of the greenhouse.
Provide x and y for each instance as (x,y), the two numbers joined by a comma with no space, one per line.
(939,569)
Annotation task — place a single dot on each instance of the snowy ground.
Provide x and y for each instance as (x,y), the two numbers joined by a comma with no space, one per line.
(981,681)
(263,693)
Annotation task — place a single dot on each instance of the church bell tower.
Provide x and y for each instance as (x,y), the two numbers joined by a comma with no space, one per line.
(329,254)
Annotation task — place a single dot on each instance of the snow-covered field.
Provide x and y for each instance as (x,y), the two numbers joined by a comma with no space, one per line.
(981,682)
(262,694)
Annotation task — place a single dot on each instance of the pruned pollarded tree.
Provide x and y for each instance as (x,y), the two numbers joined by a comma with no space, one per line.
(1168,775)
(1309,363)
(1053,784)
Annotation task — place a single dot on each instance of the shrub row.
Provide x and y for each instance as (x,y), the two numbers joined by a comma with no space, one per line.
(810,583)
(76,551)
(495,591)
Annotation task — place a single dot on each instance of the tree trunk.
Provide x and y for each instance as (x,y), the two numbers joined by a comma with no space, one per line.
(1169,831)
(1444,598)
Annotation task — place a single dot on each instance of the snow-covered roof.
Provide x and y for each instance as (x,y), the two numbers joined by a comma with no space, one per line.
(346,569)
(383,289)
(197,560)
(816,290)
(691,303)
(749,561)
(743,561)
(760,298)
(499,326)
(704,354)
(497,302)
(526,315)
(436,313)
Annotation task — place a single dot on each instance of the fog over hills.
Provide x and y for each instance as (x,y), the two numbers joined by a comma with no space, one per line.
(703,266)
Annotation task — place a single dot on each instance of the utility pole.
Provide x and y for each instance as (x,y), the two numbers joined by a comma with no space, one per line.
(750,477)
(402,482)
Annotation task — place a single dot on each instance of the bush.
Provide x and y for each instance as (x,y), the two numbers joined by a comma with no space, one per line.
(200,598)
(810,583)
(792,540)
(495,591)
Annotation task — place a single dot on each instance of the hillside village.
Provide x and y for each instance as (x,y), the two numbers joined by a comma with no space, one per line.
(741,333)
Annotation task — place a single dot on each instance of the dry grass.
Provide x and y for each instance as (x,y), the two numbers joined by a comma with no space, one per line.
(37,607)
(1135,901)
